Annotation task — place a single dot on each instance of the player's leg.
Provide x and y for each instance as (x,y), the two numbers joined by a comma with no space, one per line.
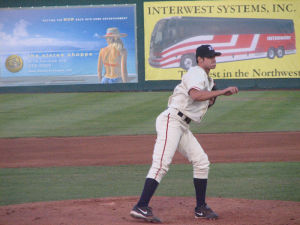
(169,131)
(168,136)
(192,150)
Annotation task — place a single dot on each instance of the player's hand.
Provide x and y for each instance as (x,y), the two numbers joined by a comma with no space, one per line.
(230,91)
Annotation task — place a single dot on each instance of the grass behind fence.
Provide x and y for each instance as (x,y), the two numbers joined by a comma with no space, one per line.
(131,113)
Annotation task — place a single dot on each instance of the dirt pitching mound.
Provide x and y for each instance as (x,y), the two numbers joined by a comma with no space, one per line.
(169,209)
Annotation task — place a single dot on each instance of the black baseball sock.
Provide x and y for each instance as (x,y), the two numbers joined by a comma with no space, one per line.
(148,191)
(200,188)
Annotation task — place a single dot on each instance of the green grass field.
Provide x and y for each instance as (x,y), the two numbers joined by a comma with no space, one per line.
(124,113)
(130,113)
(270,181)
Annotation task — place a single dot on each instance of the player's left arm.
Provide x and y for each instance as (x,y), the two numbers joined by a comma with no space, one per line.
(203,95)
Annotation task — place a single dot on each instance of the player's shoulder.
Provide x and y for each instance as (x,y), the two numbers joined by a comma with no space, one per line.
(194,72)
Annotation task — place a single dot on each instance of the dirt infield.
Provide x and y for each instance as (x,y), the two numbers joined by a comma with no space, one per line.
(99,151)
(125,150)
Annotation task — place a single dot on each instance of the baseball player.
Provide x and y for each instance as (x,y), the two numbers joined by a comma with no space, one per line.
(189,102)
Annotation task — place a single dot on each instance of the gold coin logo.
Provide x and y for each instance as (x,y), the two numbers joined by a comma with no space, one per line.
(14,63)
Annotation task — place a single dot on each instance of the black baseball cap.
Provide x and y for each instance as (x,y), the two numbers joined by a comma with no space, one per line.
(206,51)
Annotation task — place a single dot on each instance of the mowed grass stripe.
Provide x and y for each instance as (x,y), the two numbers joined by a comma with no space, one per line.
(130,113)
(74,114)
(267,181)
(256,111)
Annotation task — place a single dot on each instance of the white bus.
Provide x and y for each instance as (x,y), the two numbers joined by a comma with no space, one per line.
(175,39)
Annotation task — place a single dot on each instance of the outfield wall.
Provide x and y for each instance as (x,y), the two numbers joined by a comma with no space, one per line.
(137,21)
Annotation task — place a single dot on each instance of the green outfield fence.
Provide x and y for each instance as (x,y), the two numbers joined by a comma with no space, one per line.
(141,85)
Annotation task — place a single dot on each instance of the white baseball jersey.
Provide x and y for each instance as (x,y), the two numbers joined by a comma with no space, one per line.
(195,78)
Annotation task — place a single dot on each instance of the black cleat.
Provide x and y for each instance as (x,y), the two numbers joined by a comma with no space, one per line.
(144,213)
(205,212)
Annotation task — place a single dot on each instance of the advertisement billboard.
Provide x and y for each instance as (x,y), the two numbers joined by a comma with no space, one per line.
(257,39)
(62,45)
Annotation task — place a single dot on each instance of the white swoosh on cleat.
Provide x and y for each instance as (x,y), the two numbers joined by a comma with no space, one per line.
(145,212)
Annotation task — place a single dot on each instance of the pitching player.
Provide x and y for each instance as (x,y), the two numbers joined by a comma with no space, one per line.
(189,102)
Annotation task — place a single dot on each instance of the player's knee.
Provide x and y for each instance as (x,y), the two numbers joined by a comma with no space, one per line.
(201,168)
(160,174)
(157,173)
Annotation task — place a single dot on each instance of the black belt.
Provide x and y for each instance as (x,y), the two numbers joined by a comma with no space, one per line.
(186,119)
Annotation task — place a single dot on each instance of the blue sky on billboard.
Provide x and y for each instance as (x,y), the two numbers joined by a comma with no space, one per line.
(63,41)
(63,28)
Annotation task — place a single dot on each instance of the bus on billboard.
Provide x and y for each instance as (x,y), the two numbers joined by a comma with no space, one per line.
(174,39)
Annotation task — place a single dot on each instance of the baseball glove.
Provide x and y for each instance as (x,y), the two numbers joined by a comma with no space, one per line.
(212,100)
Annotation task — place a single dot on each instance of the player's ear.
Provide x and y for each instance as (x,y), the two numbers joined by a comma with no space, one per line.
(199,60)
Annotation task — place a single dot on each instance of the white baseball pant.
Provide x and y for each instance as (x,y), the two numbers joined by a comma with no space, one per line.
(173,133)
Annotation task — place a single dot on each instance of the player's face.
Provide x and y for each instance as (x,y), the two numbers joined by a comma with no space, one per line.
(209,63)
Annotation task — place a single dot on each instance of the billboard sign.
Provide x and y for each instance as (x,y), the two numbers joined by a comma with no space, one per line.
(257,39)
(61,45)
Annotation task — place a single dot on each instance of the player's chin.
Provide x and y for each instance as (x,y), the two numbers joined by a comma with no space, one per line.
(213,66)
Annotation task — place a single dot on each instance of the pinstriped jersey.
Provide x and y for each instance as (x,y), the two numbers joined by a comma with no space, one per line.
(195,78)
